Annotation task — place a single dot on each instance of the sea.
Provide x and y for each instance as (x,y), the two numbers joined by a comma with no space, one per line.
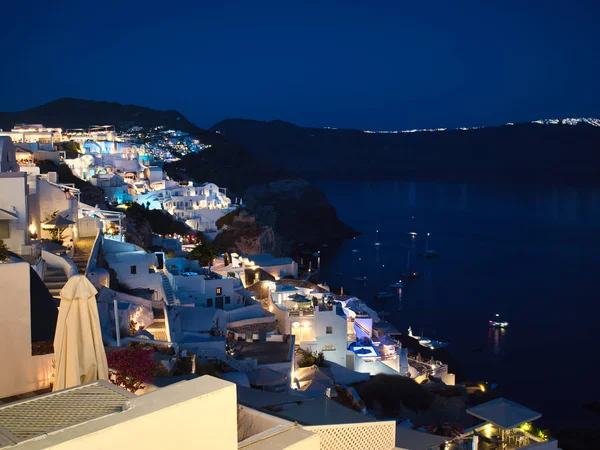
(530,254)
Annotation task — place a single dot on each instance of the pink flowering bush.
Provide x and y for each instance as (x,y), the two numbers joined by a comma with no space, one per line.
(131,367)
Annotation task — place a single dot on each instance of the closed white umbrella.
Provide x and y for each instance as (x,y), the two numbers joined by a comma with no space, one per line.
(78,349)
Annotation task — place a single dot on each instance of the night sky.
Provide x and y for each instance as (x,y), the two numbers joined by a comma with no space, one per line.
(369,64)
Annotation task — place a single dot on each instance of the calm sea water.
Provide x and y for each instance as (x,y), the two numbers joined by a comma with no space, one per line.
(530,254)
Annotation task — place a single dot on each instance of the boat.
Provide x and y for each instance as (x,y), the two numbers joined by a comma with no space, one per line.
(428,253)
(434,345)
(377,243)
(412,234)
(497,323)
(398,284)
(360,278)
(381,295)
(409,273)
(426,342)
(354,250)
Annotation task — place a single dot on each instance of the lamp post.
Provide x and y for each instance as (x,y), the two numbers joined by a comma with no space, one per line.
(427,243)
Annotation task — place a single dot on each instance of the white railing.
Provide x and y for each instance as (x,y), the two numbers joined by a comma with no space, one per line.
(241,365)
(380,435)
(62,262)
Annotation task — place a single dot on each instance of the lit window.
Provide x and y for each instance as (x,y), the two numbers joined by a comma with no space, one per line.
(328,348)
(219,291)
(328,330)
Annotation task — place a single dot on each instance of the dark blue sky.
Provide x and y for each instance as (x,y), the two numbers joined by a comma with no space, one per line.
(369,64)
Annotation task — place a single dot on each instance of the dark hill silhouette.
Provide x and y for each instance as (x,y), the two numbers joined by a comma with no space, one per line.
(519,153)
(78,113)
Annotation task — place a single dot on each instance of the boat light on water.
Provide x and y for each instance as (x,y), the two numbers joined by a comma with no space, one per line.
(412,233)
(496,323)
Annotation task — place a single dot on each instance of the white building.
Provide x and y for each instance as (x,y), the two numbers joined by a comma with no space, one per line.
(195,285)
(8,160)
(136,268)
(319,324)
(27,315)
(247,267)
(26,202)
(35,136)
(200,206)
(116,189)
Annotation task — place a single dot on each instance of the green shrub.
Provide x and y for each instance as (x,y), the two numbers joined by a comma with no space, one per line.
(3,252)
(308,359)
(203,254)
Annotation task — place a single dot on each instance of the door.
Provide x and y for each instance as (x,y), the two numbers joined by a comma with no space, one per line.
(219,302)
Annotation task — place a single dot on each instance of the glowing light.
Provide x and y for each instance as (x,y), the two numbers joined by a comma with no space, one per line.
(296,324)
(32,229)
(482,387)
(526,426)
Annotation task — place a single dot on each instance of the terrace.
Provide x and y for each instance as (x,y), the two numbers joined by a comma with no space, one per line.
(263,352)
(506,425)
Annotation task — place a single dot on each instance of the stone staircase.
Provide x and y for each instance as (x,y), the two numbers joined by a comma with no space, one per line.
(170,296)
(80,261)
(158,327)
(54,279)
(83,247)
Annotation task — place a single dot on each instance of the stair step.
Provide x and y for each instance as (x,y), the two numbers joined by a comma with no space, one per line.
(54,284)
(51,278)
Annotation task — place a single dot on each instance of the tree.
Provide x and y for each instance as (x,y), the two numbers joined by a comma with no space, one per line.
(203,254)
(56,233)
(131,367)
(308,359)
(3,252)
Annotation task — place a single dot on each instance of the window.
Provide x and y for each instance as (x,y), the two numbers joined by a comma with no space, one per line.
(133,270)
(4,230)
(219,291)
(227,300)
(328,348)
(328,330)
(209,302)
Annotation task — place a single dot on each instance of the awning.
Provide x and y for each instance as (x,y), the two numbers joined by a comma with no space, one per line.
(245,292)
(417,440)
(59,222)
(5,215)
(504,413)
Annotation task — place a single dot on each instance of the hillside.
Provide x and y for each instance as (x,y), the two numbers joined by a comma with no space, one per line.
(224,163)
(528,152)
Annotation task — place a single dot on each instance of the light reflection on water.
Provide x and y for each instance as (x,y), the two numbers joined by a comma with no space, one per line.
(495,336)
